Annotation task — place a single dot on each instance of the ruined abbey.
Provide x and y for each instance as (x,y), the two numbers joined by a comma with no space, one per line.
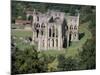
(54,30)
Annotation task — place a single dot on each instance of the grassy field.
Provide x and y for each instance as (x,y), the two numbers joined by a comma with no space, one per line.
(21,34)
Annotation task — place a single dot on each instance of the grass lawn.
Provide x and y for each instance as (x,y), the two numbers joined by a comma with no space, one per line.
(23,34)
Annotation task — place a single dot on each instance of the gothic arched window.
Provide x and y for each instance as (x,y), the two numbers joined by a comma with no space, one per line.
(37,18)
(56,32)
(42,25)
(52,42)
(49,32)
(75,27)
(53,29)
(38,25)
(37,31)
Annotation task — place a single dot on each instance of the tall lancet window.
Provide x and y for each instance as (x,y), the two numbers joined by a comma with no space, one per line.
(37,18)
(37,31)
(53,30)
(52,42)
(49,32)
(56,32)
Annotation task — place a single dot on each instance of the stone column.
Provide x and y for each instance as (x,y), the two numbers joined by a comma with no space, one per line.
(68,38)
(59,37)
(39,40)
(55,38)
(72,36)
(33,30)
(46,37)
(50,43)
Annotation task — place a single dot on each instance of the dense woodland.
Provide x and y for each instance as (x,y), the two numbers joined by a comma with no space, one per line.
(32,61)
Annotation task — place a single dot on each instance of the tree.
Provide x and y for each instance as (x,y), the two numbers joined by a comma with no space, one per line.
(88,55)
(67,64)
(28,61)
(25,61)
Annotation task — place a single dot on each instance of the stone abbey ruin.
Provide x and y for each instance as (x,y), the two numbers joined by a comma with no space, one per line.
(53,29)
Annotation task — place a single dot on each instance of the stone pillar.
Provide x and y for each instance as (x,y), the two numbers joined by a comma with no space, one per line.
(39,44)
(68,38)
(55,38)
(54,43)
(50,43)
(33,30)
(59,37)
(46,37)
(72,36)
(39,40)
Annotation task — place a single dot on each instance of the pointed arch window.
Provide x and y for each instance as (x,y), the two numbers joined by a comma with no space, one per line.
(53,29)
(56,32)
(37,31)
(75,27)
(38,25)
(52,42)
(42,25)
(49,32)
(37,18)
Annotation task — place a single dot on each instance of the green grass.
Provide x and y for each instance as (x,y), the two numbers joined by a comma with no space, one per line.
(17,26)
(21,33)
(54,53)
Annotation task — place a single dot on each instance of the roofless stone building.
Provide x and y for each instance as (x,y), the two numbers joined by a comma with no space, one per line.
(53,29)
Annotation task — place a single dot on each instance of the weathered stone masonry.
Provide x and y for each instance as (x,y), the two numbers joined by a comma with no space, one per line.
(53,29)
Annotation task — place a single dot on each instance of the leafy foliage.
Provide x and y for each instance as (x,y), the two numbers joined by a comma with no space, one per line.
(67,64)
(88,55)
